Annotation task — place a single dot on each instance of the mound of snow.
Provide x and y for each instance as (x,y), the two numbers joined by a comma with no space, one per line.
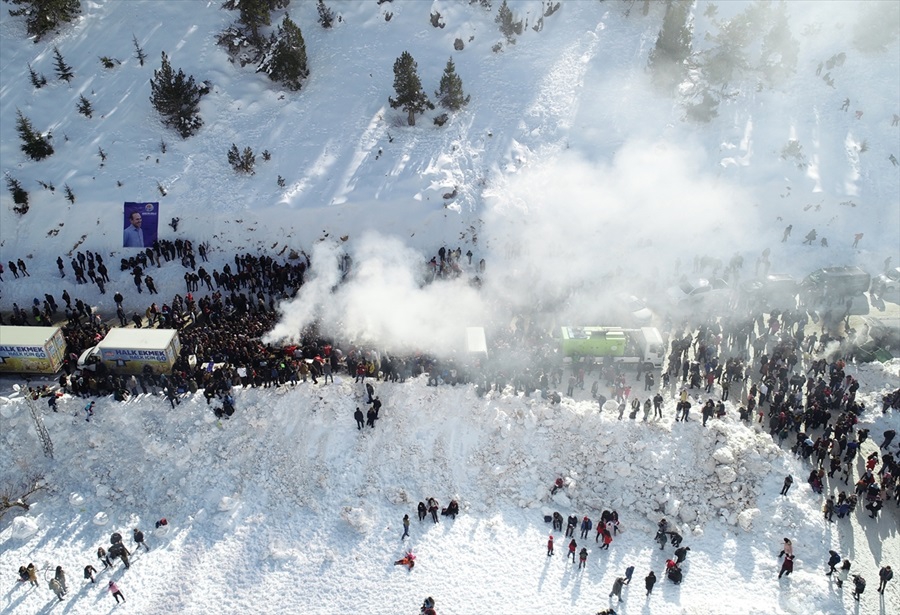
(24,527)
(76,499)
(101,518)
(227,503)
(358,518)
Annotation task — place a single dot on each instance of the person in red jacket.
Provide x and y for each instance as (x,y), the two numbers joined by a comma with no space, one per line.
(550,546)
(572,547)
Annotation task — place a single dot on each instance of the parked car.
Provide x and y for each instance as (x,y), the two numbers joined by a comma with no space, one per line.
(637,311)
(888,283)
(700,294)
(833,285)
(776,291)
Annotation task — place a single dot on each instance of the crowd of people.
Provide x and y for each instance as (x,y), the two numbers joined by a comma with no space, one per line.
(116,551)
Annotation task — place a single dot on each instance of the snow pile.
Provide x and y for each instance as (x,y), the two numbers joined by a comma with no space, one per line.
(24,527)
(686,471)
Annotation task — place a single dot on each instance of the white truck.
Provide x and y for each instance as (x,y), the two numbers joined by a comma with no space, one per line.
(643,346)
(31,350)
(127,351)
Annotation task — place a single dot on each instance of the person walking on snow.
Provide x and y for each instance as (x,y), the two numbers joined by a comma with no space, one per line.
(582,558)
(572,547)
(360,419)
(843,573)
(405,527)
(834,559)
(787,567)
(550,546)
(884,575)
(115,591)
(859,586)
(617,588)
(138,536)
(788,481)
(89,572)
(650,581)
(57,589)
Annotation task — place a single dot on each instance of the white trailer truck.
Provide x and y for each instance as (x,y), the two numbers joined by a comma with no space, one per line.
(31,350)
(127,351)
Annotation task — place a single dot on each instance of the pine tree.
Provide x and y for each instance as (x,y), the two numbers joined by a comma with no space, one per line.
(673,45)
(38,81)
(63,70)
(84,107)
(509,27)
(19,195)
(285,61)
(177,98)
(255,13)
(242,162)
(70,196)
(35,145)
(44,16)
(408,87)
(326,15)
(450,92)
(138,50)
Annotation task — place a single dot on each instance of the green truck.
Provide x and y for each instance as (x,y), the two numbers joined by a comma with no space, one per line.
(643,346)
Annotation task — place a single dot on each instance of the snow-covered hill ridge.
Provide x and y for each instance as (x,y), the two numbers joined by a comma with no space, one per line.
(578,85)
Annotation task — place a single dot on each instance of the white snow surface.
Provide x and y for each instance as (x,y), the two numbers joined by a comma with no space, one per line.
(567,166)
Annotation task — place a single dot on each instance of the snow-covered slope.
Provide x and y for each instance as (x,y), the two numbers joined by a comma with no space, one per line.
(568,169)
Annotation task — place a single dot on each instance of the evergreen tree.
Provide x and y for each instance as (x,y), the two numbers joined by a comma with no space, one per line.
(44,16)
(408,87)
(673,45)
(84,107)
(509,27)
(35,145)
(326,15)
(70,196)
(138,50)
(177,98)
(38,81)
(63,70)
(255,13)
(242,162)
(285,61)
(450,92)
(19,195)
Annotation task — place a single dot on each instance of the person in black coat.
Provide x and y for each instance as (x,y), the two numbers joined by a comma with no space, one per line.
(358,415)
(650,581)
(138,536)
(423,511)
(681,554)
(371,416)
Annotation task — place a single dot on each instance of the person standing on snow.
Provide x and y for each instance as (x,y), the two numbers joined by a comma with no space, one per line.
(572,548)
(582,558)
(586,526)
(650,581)
(557,521)
(360,419)
(843,573)
(89,572)
(570,527)
(787,567)
(405,527)
(550,546)
(787,548)
(629,572)
(681,554)
(61,579)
